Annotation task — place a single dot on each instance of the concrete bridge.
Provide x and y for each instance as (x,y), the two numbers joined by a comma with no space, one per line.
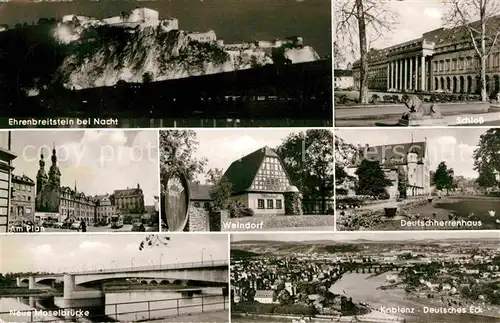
(85,288)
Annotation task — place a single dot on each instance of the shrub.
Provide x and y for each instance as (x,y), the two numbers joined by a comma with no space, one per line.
(343,99)
(384,196)
(375,98)
(395,98)
(404,97)
(387,98)
(247,212)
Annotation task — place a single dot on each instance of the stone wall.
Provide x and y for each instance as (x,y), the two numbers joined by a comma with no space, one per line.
(202,220)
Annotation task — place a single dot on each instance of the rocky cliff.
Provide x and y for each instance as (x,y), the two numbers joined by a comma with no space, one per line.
(102,55)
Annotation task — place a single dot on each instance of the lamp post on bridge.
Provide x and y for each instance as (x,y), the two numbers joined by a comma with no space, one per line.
(161,256)
(132,263)
(113,262)
(202,256)
(212,259)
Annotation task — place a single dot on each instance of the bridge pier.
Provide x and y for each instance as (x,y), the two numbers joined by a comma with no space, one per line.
(18,281)
(79,296)
(32,284)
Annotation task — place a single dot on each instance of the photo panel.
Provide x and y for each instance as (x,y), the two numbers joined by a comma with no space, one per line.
(79,181)
(247,180)
(417,277)
(430,179)
(114,278)
(422,63)
(177,63)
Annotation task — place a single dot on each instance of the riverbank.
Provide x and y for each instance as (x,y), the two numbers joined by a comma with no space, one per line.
(25,292)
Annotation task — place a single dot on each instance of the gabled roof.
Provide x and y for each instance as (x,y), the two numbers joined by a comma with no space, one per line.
(242,172)
(395,154)
(127,192)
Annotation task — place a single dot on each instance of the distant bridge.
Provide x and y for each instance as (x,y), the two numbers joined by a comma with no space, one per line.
(295,92)
(89,284)
(373,267)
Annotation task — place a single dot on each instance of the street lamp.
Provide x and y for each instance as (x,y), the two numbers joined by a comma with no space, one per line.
(212,259)
(132,263)
(113,262)
(202,256)
(177,260)
(161,256)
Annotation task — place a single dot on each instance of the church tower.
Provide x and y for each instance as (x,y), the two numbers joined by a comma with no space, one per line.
(54,172)
(41,176)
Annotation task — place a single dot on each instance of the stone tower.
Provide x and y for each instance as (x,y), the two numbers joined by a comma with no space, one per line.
(41,176)
(54,172)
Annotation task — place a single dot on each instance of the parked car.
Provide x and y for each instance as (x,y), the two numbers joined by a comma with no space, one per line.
(138,226)
(75,226)
(59,225)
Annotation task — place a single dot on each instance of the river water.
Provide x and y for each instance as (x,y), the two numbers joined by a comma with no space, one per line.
(363,288)
(125,306)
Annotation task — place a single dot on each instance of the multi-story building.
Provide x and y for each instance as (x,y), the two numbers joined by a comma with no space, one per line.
(443,59)
(410,159)
(104,208)
(76,205)
(22,198)
(130,200)
(6,158)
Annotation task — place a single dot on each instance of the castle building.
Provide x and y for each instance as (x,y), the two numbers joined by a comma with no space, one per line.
(441,60)
(69,204)
(410,159)
(6,158)
(207,37)
(22,198)
(259,181)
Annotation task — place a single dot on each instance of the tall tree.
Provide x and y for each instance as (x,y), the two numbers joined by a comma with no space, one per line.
(308,160)
(443,177)
(487,159)
(371,179)
(479,21)
(345,155)
(355,20)
(338,55)
(177,149)
(402,182)
(220,193)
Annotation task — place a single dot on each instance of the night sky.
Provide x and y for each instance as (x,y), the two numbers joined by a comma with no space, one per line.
(232,20)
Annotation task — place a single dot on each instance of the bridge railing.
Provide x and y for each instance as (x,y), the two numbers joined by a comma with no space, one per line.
(187,265)
(131,311)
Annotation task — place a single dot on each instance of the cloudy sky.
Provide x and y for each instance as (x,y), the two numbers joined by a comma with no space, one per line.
(414,17)
(57,253)
(232,20)
(453,145)
(223,146)
(376,236)
(98,161)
